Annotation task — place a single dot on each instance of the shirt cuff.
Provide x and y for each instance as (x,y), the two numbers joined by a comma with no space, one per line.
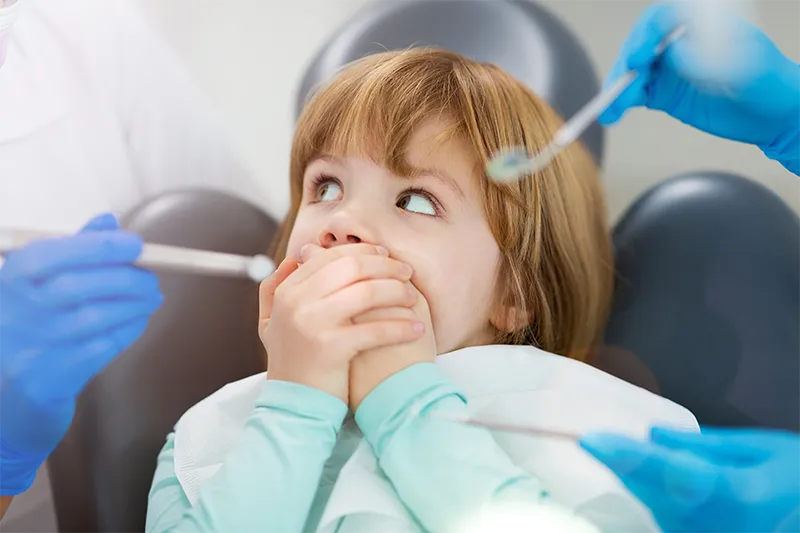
(303,401)
(411,392)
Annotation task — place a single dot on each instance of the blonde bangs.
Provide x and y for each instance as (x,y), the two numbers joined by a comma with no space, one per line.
(373,107)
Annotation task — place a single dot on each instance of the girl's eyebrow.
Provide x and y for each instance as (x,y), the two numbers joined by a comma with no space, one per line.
(442,176)
(327,158)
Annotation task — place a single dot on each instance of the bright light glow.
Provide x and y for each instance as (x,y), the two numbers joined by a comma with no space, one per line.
(717,36)
(526,518)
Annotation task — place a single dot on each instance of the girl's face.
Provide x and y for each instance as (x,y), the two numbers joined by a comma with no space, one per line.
(435,222)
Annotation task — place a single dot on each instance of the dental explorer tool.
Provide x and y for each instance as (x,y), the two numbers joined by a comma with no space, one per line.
(515,163)
(160,256)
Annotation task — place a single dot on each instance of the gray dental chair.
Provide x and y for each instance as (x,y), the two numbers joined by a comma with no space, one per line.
(706,310)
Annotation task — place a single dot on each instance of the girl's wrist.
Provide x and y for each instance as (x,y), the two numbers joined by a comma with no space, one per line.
(331,383)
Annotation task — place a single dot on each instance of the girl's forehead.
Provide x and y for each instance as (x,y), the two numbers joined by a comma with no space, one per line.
(427,140)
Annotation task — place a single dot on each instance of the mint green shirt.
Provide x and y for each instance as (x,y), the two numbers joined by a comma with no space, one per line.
(280,473)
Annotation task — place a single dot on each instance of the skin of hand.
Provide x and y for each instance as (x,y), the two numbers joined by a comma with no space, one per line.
(371,367)
(307,307)
(5,501)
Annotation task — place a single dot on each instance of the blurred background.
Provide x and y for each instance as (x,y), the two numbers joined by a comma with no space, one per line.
(248,55)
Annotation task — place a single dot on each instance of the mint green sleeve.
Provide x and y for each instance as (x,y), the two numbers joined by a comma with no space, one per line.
(268,481)
(442,471)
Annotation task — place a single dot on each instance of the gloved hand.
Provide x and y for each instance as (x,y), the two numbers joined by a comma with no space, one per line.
(752,94)
(725,480)
(67,307)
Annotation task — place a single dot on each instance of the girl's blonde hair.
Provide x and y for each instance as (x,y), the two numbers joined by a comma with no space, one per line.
(556,268)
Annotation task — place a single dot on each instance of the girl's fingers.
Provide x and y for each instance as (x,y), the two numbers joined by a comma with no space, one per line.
(313,260)
(352,269)
(358,298)
(269,286)
(370,335)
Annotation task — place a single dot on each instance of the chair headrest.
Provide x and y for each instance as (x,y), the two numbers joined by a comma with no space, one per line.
(520,37)
(707,300)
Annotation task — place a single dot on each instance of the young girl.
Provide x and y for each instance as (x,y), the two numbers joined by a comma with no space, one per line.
(397,248)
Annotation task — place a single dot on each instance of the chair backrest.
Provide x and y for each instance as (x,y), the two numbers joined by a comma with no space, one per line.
(203,337)
(707,301)
(521,37)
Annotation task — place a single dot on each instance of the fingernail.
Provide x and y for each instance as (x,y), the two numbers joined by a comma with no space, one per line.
(406,270)
(304,250)
(419,327)
(383,251)
(411,291)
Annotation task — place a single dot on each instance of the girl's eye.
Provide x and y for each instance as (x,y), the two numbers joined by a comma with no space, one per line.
(418,203)
(328,191)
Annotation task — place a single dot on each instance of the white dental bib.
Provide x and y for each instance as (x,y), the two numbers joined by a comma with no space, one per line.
(514,384)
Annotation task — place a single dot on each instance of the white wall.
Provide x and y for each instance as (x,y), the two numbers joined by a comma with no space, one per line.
(249,56)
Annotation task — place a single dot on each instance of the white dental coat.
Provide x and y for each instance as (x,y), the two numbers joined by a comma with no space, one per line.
(515,384)
(96,114)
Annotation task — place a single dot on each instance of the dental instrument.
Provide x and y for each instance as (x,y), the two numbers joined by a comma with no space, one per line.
(514,163)
(160,256)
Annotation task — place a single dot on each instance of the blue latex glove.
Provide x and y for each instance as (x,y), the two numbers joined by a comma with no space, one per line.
(752,96)
(67,307)
(724,480)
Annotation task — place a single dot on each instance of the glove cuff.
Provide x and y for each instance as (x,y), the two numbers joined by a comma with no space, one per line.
(785,149)
(17,472)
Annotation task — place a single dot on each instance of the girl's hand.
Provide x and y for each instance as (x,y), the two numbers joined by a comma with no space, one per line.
(371,367)
(306,312)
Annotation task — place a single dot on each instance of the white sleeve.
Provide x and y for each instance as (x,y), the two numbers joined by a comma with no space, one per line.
(175,139)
